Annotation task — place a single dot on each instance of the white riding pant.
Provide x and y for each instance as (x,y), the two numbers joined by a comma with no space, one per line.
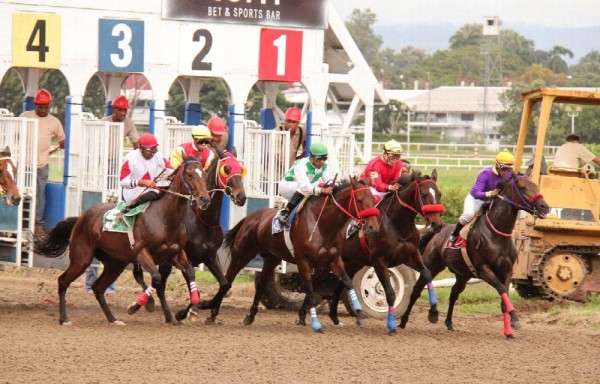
(470,208)
(287,189)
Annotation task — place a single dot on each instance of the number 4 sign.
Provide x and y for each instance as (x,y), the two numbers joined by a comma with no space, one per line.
(280,55)
(36,40)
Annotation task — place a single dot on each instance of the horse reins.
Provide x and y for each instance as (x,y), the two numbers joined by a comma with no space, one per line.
(418,201)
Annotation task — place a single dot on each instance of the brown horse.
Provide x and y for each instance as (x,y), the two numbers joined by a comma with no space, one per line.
(398,239)
(8,174)
(490,251)
(313,237)
(205,234)
(159,237)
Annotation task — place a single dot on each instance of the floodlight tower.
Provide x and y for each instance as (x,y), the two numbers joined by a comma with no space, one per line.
(492,71)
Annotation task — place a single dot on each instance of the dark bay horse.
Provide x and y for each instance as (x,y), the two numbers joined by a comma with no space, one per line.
(205,234)
(398,239)
(313,237)
(159,237)
(8,175)
(490,251)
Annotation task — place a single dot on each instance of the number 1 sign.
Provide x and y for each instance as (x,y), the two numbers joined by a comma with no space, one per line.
(280,55)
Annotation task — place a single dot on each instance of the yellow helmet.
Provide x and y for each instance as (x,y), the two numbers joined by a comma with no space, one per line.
(201,132)
(505,157)
(393,148)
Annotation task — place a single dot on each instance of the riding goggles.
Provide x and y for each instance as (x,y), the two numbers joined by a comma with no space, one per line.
(504,167)
(393,157)
(321,158)
(202,141)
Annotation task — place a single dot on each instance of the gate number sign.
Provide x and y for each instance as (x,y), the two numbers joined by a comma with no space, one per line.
(121,45)
(280,55)
(36,40)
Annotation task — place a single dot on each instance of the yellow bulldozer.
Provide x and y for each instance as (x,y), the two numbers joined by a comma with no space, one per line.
(559,255)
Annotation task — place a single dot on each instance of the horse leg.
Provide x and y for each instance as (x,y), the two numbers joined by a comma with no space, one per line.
(335,300)
(182,263)
(423,281)
(304,271)
(302,311)
(111,271)
(383,273)
(146,262)
(80,255)
(337,267)
(457,288)
(138,275)
(509,315)
(165,270)
(224,286)
(266,275)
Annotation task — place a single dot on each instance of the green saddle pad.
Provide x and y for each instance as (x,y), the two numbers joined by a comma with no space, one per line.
(117,221)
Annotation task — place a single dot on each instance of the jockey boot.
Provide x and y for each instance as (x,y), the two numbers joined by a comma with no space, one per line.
(456,233)
(148,196)
(285,212)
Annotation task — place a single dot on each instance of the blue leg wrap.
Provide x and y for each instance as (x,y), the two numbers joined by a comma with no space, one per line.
(355,304)
(431,292)
(391,322)
(314,322)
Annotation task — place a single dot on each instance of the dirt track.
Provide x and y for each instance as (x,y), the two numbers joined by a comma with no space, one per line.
(36,349)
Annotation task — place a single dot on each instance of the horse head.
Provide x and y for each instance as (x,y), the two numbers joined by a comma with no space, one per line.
(522,193)
(426,200)
(361,205)
(8,172)
(192,181)
(229,173)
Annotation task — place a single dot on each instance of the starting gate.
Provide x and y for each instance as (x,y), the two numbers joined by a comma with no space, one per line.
(17,223)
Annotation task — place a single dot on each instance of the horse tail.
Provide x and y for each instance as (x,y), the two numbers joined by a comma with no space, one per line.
(232,234)
(55,243)
(425,239)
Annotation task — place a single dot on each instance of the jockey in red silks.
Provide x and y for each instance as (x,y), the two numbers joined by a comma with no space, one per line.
(383,171)
(140,169)
(198,148)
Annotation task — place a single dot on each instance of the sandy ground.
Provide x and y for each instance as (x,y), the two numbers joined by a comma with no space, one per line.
(35,349)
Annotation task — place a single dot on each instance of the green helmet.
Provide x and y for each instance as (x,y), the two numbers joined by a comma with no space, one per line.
(318,149)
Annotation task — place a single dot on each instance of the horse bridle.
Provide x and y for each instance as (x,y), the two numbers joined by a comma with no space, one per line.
(190,195)
(223,179)
(361,215)
(424,209)
(529,207)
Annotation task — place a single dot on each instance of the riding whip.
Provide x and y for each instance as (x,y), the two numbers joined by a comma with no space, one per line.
(323,207)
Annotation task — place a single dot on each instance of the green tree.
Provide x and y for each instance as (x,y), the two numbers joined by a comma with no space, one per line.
(555,62)
(56,83)
(12,92)
(94,98)
(360,26)
(467,35)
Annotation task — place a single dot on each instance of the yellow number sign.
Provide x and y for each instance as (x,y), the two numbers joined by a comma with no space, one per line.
(36,40)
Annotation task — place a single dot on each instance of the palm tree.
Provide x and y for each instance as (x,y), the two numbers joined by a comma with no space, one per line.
(555,62)
(468,34)
(517,44)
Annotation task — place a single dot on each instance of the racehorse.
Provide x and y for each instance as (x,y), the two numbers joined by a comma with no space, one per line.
(8,173)
(398,239)
(490,251)
(312,242)
(159,237)
(205,234)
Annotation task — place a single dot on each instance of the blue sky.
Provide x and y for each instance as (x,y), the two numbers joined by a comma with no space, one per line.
(551,13)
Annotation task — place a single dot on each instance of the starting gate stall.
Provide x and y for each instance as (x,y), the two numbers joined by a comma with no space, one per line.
(175,133)
(17,222)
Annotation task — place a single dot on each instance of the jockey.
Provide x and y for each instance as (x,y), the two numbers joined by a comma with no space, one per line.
(382,172)
(140,169)
(484,189)
(197,148)
(308,176)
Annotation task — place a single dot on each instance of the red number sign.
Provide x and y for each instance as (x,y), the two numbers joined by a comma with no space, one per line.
(280,55)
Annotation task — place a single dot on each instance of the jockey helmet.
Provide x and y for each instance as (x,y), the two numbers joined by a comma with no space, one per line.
(201,132)
(120,102)
(42,97)
(216,125)
(318,149)
(505,157)
(148,140)
(293,114)
(393,147)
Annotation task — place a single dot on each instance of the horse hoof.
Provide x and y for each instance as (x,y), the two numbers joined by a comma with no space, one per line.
(450,327)
(133,308)
(67,323)
(361,315)
(361,322)
(510,337)
(339,324)
(118,323)
(248,320)
(301,322)
(210,321)
(403,323)
(192,316)
(433,318)
(320,330)
(181,315)
(392,332)
(150,306)
(516,325)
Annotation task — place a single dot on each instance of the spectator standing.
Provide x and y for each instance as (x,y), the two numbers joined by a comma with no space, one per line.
(297,134)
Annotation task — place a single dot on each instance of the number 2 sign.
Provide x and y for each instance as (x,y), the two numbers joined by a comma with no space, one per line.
(121,46)
(280,55)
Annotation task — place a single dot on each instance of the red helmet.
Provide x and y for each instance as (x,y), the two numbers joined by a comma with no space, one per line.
(293,114)
(148,140)
(120,102)
(216,126)
(42,97)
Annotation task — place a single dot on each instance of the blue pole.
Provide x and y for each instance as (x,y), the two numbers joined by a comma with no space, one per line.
(193,114)
(28,104)
(108,110)
(151,123)
(308,132)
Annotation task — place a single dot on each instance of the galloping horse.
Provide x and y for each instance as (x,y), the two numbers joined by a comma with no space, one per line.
(313,238)
(159,237)
(205,234)
(490,251)
(8,173)
(398,239)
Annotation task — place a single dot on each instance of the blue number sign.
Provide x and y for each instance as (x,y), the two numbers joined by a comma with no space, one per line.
(121,46)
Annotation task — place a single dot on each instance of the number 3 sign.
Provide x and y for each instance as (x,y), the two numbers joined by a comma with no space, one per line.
(280,55)
(121,46)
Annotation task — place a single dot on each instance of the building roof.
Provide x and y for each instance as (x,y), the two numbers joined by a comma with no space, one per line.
(457,99)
